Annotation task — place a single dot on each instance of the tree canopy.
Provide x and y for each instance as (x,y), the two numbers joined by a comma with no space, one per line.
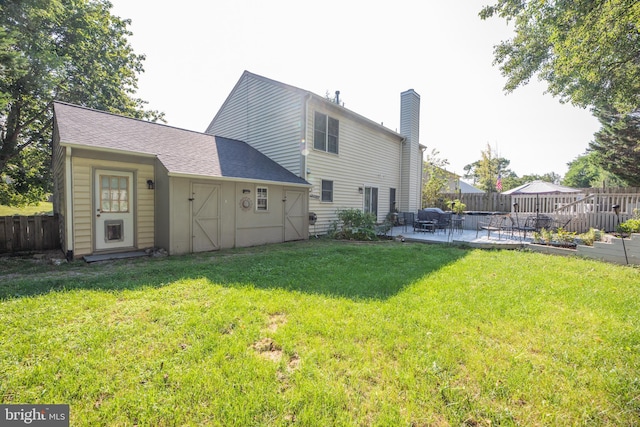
(435,178)
(66,50)
(485,171)
(617,144)
(585,172)
(588,51)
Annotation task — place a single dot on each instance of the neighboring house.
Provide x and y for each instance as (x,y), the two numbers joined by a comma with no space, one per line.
(453,183)
(350,161)
(466,188)
(122,184)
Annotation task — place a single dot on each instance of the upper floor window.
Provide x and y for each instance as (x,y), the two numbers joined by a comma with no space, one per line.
(262,199)
(325,133)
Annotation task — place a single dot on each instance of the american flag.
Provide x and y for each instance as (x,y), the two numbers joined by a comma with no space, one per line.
(499,183)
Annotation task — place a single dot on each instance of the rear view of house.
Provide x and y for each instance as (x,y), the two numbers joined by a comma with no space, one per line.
(349,160)
(122,184)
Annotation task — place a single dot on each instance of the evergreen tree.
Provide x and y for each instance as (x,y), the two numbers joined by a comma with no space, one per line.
(617,144)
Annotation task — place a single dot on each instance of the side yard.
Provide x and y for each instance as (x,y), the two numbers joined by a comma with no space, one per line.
(326,333)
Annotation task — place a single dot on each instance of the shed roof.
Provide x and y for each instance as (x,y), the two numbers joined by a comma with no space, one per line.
(182,152)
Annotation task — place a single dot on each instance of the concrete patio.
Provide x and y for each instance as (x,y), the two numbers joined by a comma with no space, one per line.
(462,237)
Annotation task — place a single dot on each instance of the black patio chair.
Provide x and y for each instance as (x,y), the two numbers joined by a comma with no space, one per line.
(494,223)
(443,221)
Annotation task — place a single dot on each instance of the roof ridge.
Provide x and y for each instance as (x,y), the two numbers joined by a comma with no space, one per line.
(122,116)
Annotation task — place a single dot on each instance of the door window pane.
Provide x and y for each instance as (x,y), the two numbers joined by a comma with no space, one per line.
(114,193)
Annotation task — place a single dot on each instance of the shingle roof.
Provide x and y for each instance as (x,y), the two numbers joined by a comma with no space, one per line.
(180,151)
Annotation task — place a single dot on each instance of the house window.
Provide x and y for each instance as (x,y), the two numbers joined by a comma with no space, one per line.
(114,193)
(261,199)
(325,133)
(371,200)
(327,191)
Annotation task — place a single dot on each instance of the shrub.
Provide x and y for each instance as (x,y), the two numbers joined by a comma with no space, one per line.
(356,225)
(593,235)
(629,226)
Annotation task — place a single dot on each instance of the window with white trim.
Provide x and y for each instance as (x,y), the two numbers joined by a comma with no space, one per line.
(262,199)
(327,191)
(325,133)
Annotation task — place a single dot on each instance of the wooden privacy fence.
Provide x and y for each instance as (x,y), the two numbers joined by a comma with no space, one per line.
(29,233)
(592,208)
(484,202)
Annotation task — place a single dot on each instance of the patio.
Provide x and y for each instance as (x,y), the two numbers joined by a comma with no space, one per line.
(461,237)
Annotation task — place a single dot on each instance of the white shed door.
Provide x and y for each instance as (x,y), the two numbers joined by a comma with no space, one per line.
(205,214)
(114,217)
(294,216)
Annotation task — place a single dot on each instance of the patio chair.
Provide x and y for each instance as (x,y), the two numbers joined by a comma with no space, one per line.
(529,226)
(443,221)
(544,221)
(406,219)
(508,225)
(494,223)
(426,221)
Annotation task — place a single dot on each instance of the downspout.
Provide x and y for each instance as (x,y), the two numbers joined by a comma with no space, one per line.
(422,149)
(402,142)
(303,173)
(69,237)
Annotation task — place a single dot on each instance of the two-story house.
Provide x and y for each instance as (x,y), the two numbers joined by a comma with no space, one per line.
(350,161)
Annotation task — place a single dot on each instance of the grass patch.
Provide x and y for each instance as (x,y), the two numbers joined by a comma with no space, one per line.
(41,208)
(326,333)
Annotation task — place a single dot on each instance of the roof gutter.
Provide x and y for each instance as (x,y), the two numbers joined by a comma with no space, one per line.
(236,179)
(107,150)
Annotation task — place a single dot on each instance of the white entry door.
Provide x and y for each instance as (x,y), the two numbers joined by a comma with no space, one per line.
(114,204)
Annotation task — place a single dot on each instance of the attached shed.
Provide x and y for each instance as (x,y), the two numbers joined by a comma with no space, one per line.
(122,184)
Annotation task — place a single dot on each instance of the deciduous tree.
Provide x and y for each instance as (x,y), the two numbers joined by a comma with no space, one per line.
(435,178)
(588,51)
(68,50)
(485,171)
(585,171)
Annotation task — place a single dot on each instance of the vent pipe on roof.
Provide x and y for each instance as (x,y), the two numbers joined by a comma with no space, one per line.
(338,97)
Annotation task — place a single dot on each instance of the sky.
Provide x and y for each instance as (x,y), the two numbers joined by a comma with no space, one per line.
(371,51)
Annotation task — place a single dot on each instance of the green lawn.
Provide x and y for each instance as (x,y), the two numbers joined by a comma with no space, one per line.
(325,333)
(41,208)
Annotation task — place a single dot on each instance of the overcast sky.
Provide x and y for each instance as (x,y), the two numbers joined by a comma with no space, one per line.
(369,50)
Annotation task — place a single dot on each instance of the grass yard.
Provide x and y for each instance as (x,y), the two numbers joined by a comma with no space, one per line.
(325,333)
(39,209)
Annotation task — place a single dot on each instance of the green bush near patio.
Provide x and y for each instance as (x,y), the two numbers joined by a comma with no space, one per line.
(325,332)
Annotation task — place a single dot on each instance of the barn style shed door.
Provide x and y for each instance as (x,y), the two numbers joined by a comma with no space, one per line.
(205,217)
(114,205)
(294,216)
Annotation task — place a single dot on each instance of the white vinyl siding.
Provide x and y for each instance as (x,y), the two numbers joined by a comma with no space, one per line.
(59,188)
(268,116)
(369,157)
(411,190)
